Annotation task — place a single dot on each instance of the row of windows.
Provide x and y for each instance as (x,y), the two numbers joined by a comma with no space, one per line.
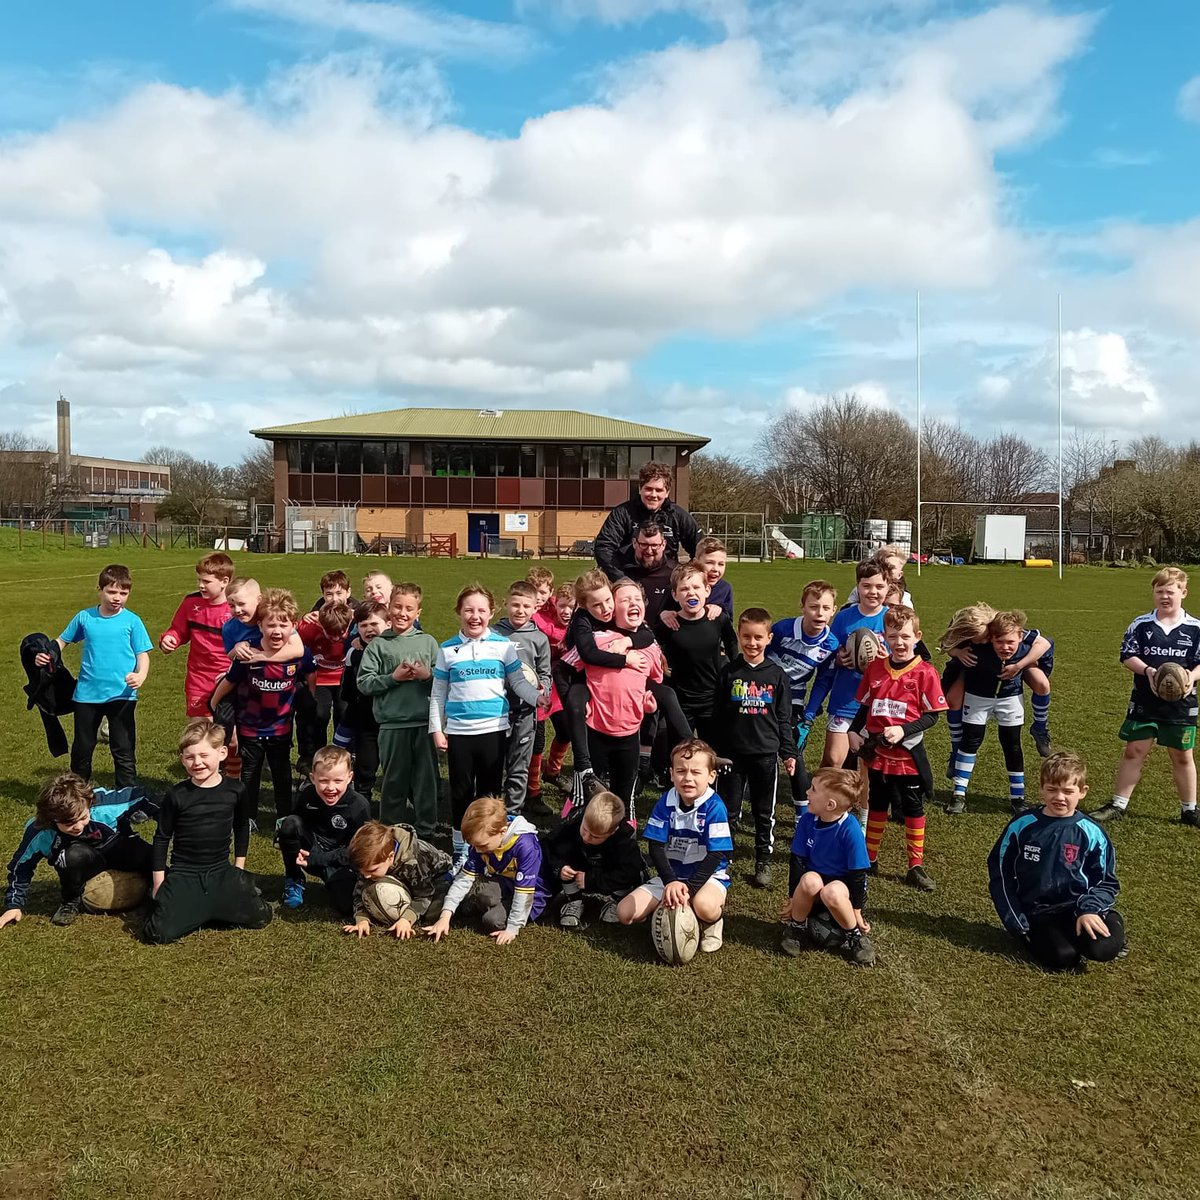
(108,479)
(504,461)
(432,491)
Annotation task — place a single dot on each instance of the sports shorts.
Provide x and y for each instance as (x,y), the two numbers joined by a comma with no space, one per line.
(838,724)
(1004,710)
(655,885)
(1176,737)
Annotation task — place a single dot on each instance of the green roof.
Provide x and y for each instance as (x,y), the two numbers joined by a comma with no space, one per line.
(483,424)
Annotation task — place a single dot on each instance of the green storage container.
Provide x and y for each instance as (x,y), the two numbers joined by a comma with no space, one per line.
(823,535)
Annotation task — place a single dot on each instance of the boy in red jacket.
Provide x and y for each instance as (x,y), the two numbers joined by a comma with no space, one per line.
(198,621)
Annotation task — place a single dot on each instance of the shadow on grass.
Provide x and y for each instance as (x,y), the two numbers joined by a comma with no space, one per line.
(23,791)
(958,931)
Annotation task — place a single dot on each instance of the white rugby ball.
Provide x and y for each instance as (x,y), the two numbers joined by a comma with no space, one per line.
(385,899)
(676,934)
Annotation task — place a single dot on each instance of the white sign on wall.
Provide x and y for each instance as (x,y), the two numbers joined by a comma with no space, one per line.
(516,522)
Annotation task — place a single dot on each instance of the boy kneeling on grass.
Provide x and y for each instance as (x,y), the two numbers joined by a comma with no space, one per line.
(379,851)
(79,832)
(1052,875)
(198,819)
(828,876)
(502,873)
(690,847)
(594,855)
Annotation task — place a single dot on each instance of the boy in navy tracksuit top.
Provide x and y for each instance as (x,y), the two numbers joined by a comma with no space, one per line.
(1052,875)
(753,719)
(79,832)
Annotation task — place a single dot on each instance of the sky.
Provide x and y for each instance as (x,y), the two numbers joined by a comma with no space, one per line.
(223,214)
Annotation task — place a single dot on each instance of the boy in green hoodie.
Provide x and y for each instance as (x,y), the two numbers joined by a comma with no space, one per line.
(397,671)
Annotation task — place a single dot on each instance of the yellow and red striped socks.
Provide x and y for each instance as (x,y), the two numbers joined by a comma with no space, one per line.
(914,840)
(876,824)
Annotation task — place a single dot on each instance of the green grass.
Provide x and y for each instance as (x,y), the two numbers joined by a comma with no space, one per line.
(295,1062)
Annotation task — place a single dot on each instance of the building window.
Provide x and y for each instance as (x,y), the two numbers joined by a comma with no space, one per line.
(639,456)
(508,460)
(293,455)
(374,457)
(397,458)
(324,458)
(570,462)
(529,462)
(349,456)
(483,461)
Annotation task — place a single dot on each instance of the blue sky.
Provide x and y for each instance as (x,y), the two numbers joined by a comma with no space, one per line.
(218,214)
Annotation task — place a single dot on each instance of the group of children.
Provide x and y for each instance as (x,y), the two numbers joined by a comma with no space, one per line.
(698,694)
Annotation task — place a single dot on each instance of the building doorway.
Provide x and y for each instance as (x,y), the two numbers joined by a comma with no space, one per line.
(483,531)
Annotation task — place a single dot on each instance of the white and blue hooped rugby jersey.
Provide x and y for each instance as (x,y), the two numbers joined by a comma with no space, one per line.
(798,654)
(470,684)
(691,833)
(1155,644)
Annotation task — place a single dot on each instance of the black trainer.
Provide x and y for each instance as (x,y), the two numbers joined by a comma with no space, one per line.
(66,913)
(957,805)
(1190,816)
(1041,739)
(762,875)
(1107,812)
(858,949)
(919,878)
(570,914)
(795,938)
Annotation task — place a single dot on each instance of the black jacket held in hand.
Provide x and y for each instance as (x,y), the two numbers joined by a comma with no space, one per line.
(612,868)
(51,689)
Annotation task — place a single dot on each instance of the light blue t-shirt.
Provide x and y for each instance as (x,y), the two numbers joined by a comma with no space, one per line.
(110,649)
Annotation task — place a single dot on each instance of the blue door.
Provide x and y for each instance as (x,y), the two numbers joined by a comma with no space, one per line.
(482,531)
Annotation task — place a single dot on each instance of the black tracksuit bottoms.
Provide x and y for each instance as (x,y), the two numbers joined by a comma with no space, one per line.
(81,862)
(191,897)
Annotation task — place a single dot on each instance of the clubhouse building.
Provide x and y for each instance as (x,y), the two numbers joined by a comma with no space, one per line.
(496,481)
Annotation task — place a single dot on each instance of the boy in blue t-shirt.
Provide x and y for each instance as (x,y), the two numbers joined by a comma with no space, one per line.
(115,663)
(828,877)
(801,646)
(690,847)
(837,678)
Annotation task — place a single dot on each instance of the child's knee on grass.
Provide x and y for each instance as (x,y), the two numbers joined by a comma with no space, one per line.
(709,902)
(1179,758)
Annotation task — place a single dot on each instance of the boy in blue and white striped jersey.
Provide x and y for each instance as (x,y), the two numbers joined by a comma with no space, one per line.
(690,846)
(468,709)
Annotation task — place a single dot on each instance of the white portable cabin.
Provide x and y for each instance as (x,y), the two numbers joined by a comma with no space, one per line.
(999,538)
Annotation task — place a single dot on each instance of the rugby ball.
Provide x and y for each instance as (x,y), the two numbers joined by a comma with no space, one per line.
(863,648)
(530,675)
(676,934)
(825,933)
(1171,682)
(115,891)
(384,900)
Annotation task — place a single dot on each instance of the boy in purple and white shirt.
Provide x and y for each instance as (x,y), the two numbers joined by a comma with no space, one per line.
(503,867)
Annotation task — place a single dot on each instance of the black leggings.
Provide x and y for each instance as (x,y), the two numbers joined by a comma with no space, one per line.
(575,708)
(1055,945)
(476,765)
(617,758)
(313,711)
(276,752)
(80,862)
(122,739)
(756,777)
(1010,743)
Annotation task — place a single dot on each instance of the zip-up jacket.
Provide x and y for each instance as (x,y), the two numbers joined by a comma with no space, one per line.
(1044,865)
(51,690)
(331,825)
(533,648)
(614,542)
(614,867)
(113,815)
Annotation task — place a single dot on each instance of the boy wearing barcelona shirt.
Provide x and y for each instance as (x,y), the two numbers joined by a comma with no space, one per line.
(265,699)
(198,622)
(899,697)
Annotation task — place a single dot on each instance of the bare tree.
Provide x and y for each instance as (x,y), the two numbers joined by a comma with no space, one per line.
(198,487)
(949,466)
(720,483)
(1011,467)
(28,485)
(254,476)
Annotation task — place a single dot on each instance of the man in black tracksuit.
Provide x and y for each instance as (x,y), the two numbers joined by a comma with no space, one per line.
(320,826)
(614,542)
(752,715)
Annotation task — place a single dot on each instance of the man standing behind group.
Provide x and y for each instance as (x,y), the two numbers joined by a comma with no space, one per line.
(615,541)
(652,568)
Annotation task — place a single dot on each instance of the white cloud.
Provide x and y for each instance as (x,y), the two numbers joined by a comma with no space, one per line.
(413,27)
(732,15)
(1188,101)
(336,232)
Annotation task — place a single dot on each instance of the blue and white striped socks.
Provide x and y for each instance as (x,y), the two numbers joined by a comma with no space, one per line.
(964,765)
(1041,709)
(954,723)
(1016,787)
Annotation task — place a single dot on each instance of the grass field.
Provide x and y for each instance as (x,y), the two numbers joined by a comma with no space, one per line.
(295,1062)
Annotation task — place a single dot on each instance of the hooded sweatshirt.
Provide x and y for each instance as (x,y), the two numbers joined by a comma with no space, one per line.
(533,649)
(403,703)
(516,866)
(415,864)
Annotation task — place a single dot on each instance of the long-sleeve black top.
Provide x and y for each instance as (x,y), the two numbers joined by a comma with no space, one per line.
(201,822)
(696,652)
(613,867)
(331,825)
(753,710)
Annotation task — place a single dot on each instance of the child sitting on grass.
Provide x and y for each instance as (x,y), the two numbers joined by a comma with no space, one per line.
(379,851)
(828,877)
(315,836)
(1052,875)
(79,832)
(197,821)
(502,873)
(594,855)
(690,847)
